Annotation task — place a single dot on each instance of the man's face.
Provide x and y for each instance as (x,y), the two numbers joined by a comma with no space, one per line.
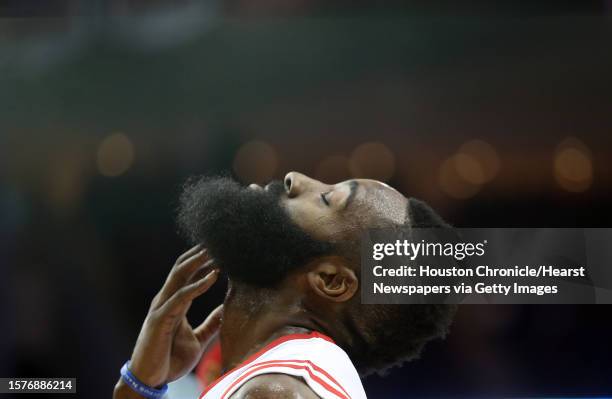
(341,211)
(259,234)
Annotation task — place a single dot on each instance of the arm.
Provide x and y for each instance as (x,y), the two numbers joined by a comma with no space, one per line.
(168,347)
(274,386)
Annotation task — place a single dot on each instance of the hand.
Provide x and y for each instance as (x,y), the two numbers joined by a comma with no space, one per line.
(168,347)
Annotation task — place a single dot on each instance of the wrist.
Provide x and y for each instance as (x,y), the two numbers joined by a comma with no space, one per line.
(122,391)
(146,374)
(139,387)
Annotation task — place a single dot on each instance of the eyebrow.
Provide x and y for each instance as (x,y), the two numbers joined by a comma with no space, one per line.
(353,185)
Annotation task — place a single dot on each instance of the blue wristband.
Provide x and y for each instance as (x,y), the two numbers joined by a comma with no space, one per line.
(140,388)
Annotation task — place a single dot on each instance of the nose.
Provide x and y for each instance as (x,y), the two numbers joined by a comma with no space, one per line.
(297,183)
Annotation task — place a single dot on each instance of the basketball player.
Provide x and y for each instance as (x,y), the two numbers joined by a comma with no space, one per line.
(292,325)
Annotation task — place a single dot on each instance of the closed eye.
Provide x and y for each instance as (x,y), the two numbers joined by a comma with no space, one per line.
(324,198)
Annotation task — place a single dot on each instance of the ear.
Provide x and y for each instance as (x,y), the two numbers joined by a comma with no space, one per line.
(332,279)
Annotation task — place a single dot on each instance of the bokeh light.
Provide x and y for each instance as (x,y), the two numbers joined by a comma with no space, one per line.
(452,183)
(478,161)
(469,168)
(66,177)
(372,160)
(256,162)
(573,166)
(333,169)
(115,155)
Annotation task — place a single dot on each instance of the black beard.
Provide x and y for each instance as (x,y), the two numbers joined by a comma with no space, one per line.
(247,232)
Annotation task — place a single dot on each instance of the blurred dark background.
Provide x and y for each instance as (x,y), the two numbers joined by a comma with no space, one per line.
(498,113)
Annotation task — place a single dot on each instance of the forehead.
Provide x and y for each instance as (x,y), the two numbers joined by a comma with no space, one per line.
(377,200)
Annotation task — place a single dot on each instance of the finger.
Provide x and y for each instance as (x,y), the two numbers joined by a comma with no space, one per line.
(181,274)
(191,251)
(175,278)
(201,272)
(205,331)
(179,303)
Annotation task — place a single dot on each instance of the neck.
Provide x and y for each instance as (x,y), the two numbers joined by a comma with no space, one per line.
(254,318)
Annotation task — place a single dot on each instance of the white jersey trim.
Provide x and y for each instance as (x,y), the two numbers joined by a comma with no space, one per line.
(300,355)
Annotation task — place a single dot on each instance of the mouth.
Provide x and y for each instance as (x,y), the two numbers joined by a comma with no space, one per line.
(275,188)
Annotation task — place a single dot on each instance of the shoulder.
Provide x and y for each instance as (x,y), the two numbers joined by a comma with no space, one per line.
(274,386)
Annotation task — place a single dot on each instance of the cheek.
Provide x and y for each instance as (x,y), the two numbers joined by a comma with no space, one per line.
(317,221)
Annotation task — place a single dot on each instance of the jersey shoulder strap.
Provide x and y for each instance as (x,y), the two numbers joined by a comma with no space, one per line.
(313,357)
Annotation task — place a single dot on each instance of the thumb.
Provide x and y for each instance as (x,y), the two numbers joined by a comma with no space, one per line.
(205,331)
